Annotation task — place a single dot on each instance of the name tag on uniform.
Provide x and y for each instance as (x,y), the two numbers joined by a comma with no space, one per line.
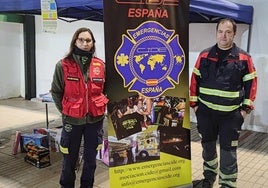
(98,80)
(72,78)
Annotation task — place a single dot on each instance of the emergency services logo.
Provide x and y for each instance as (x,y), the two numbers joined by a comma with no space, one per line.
(96,70)
(68,127)
(150,59)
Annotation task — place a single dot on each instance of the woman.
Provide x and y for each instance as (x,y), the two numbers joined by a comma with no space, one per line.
(77,90)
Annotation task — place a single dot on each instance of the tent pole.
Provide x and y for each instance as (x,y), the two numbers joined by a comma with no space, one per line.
(29,56)
(249,37)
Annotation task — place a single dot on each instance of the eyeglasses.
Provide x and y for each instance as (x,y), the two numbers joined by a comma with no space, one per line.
(82,40)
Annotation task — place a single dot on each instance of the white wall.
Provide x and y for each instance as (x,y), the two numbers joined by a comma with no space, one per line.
(11,60)
(259,50)
(51,47)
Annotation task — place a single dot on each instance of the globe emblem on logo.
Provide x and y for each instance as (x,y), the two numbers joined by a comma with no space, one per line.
(150,59)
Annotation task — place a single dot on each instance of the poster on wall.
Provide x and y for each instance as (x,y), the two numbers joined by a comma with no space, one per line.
(146,55)
(49,15)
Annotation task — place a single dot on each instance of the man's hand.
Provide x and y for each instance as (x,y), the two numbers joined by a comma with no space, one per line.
(243,113)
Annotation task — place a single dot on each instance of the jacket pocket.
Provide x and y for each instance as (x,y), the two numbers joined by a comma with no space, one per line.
(96,87)
(99,105)
(73,107)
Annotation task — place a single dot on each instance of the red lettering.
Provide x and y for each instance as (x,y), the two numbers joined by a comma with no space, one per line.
(149,13)
(157,12)
(144,12)
(138,13)
(131,12)
(165,14)
(149,2)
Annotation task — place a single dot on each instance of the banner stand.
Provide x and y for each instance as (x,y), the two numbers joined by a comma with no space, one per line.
(146,51)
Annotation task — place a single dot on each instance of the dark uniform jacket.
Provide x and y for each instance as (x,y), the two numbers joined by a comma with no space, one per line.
(224,85)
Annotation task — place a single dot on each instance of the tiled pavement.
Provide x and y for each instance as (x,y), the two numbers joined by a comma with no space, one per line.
(252,159)
(15,173)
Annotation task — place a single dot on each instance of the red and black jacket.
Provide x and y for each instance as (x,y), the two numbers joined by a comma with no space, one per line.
(224,87)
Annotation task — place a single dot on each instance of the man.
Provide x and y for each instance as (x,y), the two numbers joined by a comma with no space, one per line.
(222,91)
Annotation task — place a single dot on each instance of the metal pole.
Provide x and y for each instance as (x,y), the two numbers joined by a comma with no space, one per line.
(47,116)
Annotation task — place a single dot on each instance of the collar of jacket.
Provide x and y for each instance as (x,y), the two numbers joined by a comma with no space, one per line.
(213,52)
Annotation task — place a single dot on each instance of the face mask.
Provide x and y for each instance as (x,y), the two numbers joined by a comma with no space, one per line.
(80,52)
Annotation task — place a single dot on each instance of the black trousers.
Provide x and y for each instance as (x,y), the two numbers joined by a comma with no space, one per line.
(71,138)
(224,127)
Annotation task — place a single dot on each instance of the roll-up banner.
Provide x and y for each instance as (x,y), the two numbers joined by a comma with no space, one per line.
(147,83)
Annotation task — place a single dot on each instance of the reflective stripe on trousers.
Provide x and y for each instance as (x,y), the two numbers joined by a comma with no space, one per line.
(225,126)
(92,136)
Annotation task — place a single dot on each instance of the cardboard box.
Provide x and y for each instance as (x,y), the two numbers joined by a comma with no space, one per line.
(34,139)
(37,156)
(54,139)
(40,131)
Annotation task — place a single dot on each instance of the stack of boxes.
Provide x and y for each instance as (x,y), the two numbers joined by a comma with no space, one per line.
(37,155)
(39,144)
(37,149)
(33,139)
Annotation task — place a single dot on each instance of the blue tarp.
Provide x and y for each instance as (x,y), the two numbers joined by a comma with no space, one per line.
(201,11)
(76,9)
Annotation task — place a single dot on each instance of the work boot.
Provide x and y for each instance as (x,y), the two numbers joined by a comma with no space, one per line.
(208,183)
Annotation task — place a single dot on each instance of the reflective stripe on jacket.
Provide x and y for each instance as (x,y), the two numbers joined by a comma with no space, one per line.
(225,86)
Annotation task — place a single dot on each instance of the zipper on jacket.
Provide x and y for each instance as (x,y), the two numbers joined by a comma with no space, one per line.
(86,86)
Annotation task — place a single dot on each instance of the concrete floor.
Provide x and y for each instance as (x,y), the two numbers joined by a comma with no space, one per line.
(23,115)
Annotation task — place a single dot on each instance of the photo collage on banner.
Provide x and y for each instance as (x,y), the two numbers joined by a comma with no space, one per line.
(146,55)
